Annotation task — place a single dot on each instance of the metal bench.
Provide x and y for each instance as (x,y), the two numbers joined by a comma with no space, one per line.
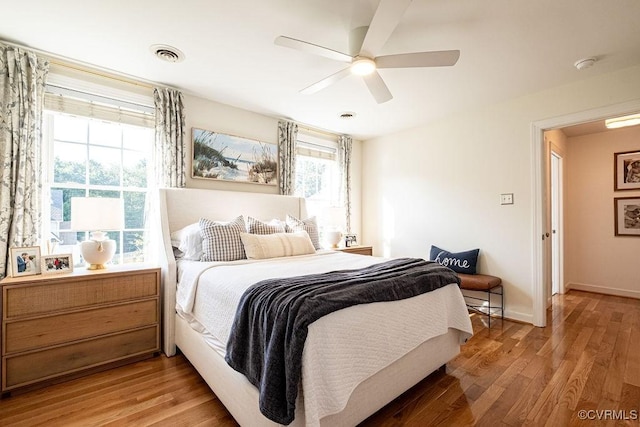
(483,283)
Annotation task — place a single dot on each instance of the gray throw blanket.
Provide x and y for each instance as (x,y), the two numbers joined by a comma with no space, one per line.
(270,326)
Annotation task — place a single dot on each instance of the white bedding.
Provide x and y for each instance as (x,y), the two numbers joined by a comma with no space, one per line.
(342,349)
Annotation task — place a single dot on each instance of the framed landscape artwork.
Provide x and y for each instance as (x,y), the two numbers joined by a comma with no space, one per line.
(627,170)
(627,216)
(233,158)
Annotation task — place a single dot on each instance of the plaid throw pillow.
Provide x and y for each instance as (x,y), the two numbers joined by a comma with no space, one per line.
(309,225)
(271,227)
(221,240)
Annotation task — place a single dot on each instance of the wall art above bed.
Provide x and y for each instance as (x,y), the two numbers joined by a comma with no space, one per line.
(233,158)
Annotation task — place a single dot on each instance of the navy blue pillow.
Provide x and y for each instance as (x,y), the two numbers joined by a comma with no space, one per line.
(460,262)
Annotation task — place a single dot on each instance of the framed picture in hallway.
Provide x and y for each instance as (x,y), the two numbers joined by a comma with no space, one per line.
(627,170)
(627,216)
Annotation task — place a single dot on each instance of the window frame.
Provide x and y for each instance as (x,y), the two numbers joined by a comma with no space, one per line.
(331,215)
(95,108)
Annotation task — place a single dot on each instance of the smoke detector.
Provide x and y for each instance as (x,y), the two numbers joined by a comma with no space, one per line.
(167,53)
(581,64)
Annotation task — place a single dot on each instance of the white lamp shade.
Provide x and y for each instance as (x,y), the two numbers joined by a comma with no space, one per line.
(96,213)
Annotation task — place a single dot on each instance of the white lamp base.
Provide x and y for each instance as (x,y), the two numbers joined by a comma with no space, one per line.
(333,238)
(97,253)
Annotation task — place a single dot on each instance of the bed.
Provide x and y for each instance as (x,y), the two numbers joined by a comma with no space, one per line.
(379,376)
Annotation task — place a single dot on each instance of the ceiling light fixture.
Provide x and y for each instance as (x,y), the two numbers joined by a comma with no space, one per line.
(620,122)
(167,53)
(363,66)
(584,63)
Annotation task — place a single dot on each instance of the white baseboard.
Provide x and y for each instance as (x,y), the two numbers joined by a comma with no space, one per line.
(603,290)
(520,317)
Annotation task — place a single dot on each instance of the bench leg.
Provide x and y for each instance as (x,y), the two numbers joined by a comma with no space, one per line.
(489,307)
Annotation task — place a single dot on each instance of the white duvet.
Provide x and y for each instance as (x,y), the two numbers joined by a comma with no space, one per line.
(343,348)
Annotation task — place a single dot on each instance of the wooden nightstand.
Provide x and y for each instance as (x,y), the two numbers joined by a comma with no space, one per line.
(61,325)
(360,250)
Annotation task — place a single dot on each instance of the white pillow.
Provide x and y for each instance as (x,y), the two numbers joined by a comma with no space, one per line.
(189,241)
(221,240)
(261,246)
(309,225)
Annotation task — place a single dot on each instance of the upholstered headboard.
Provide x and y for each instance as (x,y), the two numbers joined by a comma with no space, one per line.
(179,207)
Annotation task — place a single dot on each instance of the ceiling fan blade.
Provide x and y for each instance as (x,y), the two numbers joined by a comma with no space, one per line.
(384,21)
(442,58)
(312,48)
(333,78)
(377,87)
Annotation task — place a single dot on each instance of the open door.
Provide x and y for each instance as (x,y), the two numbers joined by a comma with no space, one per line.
(556,224)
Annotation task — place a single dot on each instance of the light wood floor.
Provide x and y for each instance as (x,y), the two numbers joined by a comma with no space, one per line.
(514,374)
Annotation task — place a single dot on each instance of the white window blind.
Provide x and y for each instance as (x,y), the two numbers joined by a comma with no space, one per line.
(313,146)
(74,102)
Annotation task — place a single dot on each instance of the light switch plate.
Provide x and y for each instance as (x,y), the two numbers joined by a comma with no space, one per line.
(506,199)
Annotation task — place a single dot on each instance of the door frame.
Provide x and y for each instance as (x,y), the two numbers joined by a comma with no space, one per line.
(538,184)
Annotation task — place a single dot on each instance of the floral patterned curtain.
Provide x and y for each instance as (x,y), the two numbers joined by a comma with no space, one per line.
(345,143)
(287,135)
(22,82)
(169,145)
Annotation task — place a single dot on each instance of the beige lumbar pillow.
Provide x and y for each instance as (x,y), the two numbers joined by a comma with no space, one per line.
(257,246)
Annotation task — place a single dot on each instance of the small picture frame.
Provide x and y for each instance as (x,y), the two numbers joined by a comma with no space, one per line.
(57,263)
(25,261)
(627,170)
(350,240)
(627,216)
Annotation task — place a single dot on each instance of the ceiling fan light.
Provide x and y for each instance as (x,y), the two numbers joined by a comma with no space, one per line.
(620,122)
(363,66)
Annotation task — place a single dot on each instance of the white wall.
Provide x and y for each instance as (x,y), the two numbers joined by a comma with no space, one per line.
(440,183)
(204,114)
(595,259)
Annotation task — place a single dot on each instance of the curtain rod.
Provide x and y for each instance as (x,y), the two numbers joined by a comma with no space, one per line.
(87,68)
(319,131)
(108,74)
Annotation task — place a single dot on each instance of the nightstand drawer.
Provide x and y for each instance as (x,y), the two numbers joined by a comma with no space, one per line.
(360,250)
(76,292)
(46,331)
(36,366)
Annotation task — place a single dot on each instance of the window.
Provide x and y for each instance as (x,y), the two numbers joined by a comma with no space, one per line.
(94,157)
(317,180)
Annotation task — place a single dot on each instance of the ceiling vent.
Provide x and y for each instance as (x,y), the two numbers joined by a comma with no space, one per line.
(167,53)
(584,63)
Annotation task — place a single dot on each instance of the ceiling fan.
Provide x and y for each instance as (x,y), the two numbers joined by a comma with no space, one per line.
(368,41)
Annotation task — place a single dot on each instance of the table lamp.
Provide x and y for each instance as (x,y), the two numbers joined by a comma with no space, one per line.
(333,220)
(97,214)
